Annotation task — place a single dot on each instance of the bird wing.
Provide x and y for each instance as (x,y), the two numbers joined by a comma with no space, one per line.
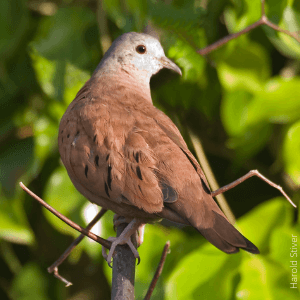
(106,154)
(195,203)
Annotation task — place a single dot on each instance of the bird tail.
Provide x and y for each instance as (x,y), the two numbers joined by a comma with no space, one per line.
(225,236)
(209,220)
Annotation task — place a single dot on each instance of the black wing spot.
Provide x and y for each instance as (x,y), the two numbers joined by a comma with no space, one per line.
(86,169)
(140,190)
(205,187)
(97,160)
(68,135)
(62,131)
(170,195)
(195,167)
(94,139)
(107,157)
(109,177)
(139,173)
(106,189)
(137,157)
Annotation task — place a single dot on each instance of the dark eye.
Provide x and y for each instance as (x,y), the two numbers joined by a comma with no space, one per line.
(141,49)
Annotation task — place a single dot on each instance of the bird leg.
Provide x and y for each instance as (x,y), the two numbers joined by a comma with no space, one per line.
(248,175)
(120,220)
(124,238)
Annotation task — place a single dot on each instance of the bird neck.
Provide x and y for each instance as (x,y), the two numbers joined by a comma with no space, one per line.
(125,82)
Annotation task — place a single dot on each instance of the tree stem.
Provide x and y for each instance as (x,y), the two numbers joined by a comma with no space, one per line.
(123,270)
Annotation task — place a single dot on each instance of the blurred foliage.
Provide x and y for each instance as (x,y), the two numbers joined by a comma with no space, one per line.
(242,100)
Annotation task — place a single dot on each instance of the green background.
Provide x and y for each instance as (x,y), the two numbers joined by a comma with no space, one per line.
(242,101)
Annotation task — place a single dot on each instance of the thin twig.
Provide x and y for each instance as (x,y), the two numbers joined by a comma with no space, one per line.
(210,176)
(228,38)
(262,7)
(262,21)
(77,227)
(64,280)
(245,177)
(158,270)
(277,28)
(61,259)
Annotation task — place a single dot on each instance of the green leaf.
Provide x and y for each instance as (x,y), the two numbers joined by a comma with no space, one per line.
(188,59)
(59,79)
(158,235)
(62,195)
(114,10)
(138,10)
(242,14)
(291,150)
(14,23)
(246,140)
(45,132)
(183,19)
(234,111)
(250,142)
(246,67)
(284,247)
(277,103)
(275,9)
(14,226)
(284,43)
(260,222)
(65,36)
(16,157)
(30,284)
(263,279)
(193,274)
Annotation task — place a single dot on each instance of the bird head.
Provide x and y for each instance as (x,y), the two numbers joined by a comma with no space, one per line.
(138,54)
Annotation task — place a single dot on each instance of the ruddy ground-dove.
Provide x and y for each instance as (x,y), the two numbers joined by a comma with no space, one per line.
(125,155)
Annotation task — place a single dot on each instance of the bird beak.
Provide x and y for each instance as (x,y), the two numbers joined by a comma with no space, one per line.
(167,63)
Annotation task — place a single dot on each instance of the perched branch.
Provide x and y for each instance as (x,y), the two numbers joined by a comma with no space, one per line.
(55,265)
(262,21)
(123,269)
(82,230)
(158,271)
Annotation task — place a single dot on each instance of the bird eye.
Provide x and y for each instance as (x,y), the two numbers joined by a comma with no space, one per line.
(141,49)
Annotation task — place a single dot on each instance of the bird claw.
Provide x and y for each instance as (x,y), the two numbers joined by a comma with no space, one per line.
(115,242)
(104,254)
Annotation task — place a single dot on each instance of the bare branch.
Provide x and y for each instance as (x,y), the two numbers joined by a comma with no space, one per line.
(228,38)
(54,266)
(277,28)
(245,177)
(82,230)
(64,280)
(158,271)
(262,21)
(263,12)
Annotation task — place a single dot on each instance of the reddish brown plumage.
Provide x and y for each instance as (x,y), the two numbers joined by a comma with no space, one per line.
(125,155)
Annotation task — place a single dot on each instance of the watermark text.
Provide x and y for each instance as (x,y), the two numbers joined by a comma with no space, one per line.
(294,263)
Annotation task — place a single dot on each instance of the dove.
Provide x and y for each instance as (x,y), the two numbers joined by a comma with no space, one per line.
(125,155)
